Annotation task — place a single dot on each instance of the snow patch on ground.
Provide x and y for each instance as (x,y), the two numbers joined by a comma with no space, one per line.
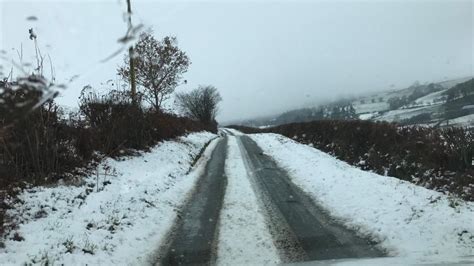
(244,238)
(408,220)
(123,223)
(367,116)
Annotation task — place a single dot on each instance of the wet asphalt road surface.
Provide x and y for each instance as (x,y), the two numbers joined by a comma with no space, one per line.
(301,229)
(194,237)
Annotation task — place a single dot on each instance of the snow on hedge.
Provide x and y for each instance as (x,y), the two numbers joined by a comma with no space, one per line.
(408,220)
(123,223)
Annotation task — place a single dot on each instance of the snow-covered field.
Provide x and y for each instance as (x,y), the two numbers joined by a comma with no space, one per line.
(467,120)
(367,116)
(123,223)
(451,83)
(400,114)
(431,98)
(370,107)
(243,235)
(430,103)
(411,222)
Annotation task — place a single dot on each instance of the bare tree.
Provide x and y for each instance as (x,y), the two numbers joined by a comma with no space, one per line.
(200,104)
(159,66)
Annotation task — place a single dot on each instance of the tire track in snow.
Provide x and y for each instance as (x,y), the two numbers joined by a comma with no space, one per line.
(193,239)
(243,234)
(301,228)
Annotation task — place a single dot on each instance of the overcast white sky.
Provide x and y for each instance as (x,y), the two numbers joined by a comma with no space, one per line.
(264,57)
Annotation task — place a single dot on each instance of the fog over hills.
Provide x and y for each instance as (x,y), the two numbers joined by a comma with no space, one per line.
(265,57)
(449,102)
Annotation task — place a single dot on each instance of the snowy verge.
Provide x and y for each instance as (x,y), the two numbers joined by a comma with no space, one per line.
(120,222)
(408,220)
(244,238)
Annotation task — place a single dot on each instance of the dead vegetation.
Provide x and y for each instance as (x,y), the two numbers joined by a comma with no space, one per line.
(40,144)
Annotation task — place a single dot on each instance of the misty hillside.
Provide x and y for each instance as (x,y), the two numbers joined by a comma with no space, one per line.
(435,104)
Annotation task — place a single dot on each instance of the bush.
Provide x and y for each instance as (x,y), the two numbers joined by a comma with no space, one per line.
(201,104)
(114,124)
(34,142)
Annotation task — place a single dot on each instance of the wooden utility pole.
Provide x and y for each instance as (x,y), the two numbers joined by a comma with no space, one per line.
(131,58)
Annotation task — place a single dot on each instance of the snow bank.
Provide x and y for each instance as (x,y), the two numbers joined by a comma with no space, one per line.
(122,223)
(408,220)
(243,235)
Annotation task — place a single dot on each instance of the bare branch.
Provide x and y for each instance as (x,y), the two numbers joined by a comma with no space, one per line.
(159,66)
(200,104)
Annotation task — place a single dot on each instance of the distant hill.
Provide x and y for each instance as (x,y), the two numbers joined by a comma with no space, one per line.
(444,103)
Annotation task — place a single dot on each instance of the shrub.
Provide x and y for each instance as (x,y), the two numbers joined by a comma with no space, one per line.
(113,124)
(38,144)
(34,144)
(200,104)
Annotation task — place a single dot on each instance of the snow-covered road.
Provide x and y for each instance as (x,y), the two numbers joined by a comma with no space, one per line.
(122,222)
(416,225)
(244,238)
(250,200)
(303,231)
(192,239)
